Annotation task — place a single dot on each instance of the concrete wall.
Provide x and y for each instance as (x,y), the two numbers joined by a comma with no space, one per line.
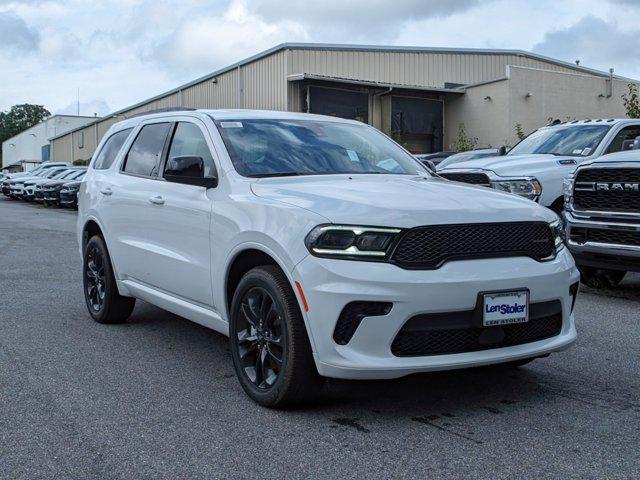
(485,120)
(559,95)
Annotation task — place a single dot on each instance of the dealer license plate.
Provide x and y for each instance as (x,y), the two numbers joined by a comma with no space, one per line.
(505,308)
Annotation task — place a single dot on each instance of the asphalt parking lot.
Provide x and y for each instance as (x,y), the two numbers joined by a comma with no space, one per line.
(157,396)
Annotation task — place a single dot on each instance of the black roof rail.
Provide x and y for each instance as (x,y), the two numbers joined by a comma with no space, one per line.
(587,120)
(163,110)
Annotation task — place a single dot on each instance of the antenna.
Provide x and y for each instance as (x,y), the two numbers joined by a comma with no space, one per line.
(78,101)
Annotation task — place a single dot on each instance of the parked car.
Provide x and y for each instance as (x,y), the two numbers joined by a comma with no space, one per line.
(602,215)
(435,158)
(468,155)
(35,171)
(29,187)
(321,247)
(51,190)
(69,194)
(16,185)
(536,167)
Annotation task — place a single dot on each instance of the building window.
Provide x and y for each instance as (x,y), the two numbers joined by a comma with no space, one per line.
(81,140)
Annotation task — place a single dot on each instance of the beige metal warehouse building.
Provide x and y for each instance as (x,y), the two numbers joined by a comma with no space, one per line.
(419,95)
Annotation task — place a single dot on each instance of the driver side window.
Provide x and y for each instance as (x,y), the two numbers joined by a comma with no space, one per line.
(188,141)
(624,138)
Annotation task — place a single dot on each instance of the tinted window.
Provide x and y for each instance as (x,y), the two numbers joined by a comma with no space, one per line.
(627,134)
(110,149)
(144,156)
(188,141)
(260,148)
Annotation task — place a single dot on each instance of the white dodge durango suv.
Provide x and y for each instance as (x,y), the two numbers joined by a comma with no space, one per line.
(320,247)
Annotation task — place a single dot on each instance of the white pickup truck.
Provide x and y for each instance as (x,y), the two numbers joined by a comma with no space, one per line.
(536,167)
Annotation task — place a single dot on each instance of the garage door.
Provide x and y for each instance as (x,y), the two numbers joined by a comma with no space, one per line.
(417,123)
(339,103)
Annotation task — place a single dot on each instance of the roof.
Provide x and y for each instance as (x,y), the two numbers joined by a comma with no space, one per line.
(309,76)
(358,48)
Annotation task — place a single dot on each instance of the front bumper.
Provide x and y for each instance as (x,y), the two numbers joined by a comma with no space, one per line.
(329,285)
(598,254)
(52,196)
(69,199)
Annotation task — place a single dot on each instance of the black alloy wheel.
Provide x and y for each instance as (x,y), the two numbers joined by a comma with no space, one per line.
(104,302)
(95,279)
(261,338)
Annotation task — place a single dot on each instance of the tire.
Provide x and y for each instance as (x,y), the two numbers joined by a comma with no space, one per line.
(601,277)
(104,302)
(269,345)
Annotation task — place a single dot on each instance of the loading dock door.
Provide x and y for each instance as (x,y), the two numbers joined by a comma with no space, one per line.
(339,103)
(417,123)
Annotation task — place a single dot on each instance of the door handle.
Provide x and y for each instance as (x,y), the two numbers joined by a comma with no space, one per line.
(157,200)
(106,191)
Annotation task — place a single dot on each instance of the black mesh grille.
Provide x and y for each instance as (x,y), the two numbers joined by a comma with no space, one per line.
(607,200)
(430,247)
(618,237)
(474,178)
(410,343)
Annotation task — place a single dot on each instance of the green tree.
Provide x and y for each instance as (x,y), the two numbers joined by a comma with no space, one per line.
(20,117)
(631,101)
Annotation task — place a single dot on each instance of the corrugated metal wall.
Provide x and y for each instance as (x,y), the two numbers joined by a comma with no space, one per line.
(262,83)
(424,69)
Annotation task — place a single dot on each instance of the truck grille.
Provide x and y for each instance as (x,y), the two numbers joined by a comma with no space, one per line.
(433,338)
(473,178)
(601,235)
(607,190)
(430,247)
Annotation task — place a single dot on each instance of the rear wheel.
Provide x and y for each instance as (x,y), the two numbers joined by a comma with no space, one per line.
(269,344)
(104,302)
(601,277)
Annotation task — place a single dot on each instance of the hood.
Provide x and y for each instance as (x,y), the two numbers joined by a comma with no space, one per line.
(512,165)
(72,183)
(17,181)
(398,200)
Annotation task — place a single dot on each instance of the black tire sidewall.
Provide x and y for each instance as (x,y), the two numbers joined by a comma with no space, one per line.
(260,278)
(102,315)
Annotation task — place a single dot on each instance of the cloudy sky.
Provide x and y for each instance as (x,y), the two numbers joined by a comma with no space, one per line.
(119,52)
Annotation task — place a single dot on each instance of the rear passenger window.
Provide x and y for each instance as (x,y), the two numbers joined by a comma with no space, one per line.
(144,156)
(188,141)
(110,149)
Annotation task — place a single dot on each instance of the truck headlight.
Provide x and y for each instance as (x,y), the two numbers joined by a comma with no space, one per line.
(525,187)
(557,228)
(351,242)
(567,190)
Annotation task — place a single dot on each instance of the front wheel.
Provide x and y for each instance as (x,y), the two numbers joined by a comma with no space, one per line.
(601,277)
(269,344)
(104,302)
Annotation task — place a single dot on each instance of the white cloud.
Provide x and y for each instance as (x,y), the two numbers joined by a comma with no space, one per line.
(124,51)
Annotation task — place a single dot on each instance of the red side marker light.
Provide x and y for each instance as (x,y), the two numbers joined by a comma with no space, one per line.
(302,297)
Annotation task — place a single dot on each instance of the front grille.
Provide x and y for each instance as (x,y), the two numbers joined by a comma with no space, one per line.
(433,338)
(473,178)
(430,247)
(607,200)
(615,237)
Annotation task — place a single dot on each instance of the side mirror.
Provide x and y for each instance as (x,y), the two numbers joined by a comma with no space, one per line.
(188,170)
(636,144)
(502,151)
(430,165)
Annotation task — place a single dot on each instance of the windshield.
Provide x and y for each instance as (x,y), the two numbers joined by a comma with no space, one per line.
(270,148)
(62,174)
(573,141)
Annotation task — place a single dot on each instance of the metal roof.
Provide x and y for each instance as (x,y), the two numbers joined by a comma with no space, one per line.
(368,83)
(359,48)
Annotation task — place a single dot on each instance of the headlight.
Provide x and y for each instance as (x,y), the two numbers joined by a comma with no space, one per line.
(567,189)
(557,228)
(525,187)
(352,242)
